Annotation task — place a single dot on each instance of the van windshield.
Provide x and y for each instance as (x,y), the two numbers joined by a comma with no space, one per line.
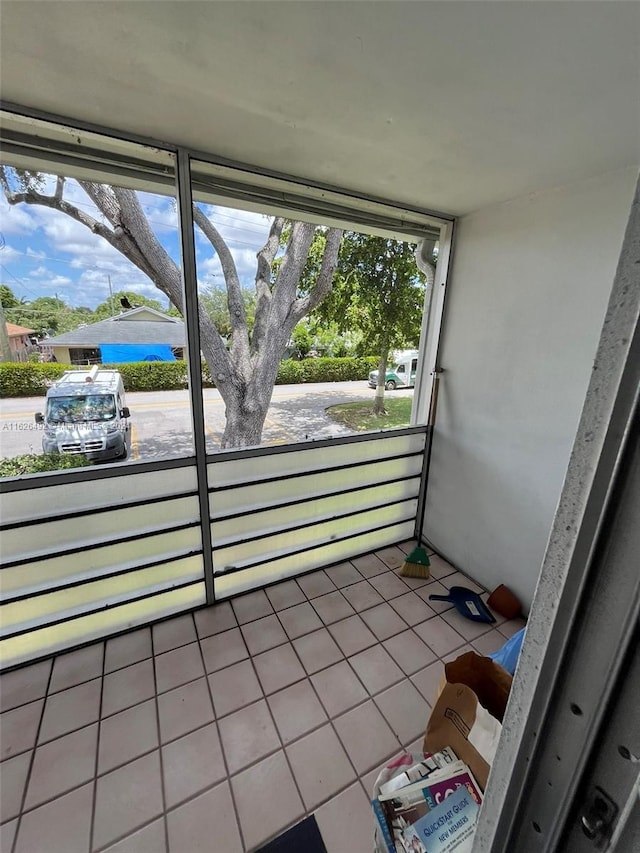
(92,407)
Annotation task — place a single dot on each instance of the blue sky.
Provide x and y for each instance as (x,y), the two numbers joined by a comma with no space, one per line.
(46,253)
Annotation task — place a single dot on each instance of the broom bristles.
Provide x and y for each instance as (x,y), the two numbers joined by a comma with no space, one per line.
(416,565)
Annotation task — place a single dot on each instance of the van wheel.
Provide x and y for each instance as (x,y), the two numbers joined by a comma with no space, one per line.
(390,385)
(123,455)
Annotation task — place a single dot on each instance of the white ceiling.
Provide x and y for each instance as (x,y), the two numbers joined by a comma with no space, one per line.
(450,106)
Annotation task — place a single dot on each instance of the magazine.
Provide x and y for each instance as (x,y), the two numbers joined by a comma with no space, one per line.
(437,791)
(416,788)
(448,827)
(420,770)
(405,813)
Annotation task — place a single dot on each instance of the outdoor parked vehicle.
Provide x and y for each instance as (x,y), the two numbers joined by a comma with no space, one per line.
(401,375)
(86,413)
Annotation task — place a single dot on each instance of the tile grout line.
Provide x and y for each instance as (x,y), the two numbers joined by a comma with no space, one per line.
(121,838)
(333,728)
(31,760)
(157,708)
(94,793)
(276,729)
(370,696)
(217,725)
(307,813)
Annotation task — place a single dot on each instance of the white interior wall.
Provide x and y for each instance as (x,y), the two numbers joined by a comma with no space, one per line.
(527,296)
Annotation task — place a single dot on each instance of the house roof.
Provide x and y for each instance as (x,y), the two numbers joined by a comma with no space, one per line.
(130,327)
(14,331)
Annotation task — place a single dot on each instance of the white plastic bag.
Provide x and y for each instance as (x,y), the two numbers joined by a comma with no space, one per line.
(394,768)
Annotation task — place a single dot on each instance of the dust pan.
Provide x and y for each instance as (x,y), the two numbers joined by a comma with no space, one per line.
(468,603)
(416,565)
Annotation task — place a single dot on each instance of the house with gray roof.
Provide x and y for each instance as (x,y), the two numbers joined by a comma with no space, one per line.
(141,334)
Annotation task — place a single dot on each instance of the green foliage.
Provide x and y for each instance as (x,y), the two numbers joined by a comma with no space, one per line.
(26,379)
(378,291)
(32,380)
(214,300)
(8,297)
(302,340)
(292,372)
(330,341)
(48,315)
(152,375)
(112,306)
(38,463)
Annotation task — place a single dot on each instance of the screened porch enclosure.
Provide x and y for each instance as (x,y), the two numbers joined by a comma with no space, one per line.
(97,551)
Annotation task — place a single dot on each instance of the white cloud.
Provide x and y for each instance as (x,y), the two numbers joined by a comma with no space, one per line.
(57,283)
(8,254)
(15,219)
(67,256)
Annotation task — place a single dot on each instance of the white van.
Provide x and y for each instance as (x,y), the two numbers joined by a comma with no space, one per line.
(401,375)
(86,413)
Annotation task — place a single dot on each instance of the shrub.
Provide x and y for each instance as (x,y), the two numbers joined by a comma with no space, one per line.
(38,463)
(32,380)
(290,372)
(152,375)
(24,379)
(325,370)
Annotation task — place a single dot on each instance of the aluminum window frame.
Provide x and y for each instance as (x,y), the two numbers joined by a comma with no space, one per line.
(77,149)
(358,208)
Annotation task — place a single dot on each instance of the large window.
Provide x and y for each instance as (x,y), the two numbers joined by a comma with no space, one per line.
(310,325)
(92,282)
(310,311)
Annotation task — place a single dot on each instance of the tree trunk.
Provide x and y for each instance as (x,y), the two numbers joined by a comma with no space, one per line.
(378,401)
(245,417)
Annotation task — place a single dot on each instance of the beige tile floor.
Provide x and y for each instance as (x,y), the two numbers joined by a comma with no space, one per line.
(217,730)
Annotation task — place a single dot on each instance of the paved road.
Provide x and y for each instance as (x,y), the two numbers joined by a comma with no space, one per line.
(161,420)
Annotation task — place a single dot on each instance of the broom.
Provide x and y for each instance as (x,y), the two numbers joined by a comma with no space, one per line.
(416,565)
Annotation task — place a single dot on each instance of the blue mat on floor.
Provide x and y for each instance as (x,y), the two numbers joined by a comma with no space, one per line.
(304,836)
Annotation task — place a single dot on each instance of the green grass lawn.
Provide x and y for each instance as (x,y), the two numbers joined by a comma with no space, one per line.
(358,416)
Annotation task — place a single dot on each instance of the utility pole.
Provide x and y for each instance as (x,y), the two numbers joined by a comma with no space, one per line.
(5,347)
(113,313)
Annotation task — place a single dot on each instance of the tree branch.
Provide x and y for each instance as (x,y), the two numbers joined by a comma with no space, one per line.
(303,306)
(286,285)
(265,258)
(104,200)
(268,252)
(56,202)
(235,302)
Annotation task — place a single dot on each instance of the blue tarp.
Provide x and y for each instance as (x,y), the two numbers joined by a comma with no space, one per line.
(121,353)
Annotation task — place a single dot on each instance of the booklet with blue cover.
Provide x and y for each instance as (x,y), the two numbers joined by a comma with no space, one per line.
(448,827)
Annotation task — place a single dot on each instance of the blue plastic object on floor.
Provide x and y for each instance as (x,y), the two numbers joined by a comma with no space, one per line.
(508,655)
(468,603)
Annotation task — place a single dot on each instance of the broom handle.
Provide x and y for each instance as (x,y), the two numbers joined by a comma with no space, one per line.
(433,405)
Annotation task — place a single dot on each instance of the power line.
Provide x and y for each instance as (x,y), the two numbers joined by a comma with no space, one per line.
(21,283)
